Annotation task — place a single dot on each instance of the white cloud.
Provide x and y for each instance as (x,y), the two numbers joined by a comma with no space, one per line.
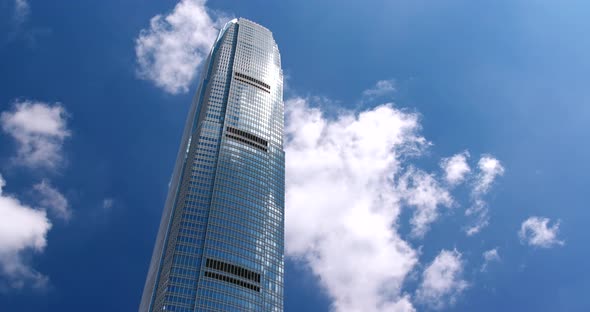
(442,280)
(488,257)
(53,200)
(39,129)
(535,231)
(491,255)
(346,185)
(169,52)
(456,168)
(22,229)
(381,88)
(489,169)
(342,204)
(422,192)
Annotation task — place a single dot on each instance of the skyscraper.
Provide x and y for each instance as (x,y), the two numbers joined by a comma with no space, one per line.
(220,245)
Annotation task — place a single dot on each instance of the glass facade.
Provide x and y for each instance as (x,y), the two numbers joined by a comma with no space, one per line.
(220,242)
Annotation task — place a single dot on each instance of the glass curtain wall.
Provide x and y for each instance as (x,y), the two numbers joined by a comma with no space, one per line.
(220,246)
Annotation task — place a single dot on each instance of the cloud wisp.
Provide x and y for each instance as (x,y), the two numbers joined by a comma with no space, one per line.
(422,192)
(442,280)
(489,168)
(489,256)
(381,88)
(456,168)
(40,130)
(535,231)
(171,49)
(53,200)
(22,9)
(22,229)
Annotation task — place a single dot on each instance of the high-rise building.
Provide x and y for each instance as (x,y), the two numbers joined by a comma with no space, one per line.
(220,246)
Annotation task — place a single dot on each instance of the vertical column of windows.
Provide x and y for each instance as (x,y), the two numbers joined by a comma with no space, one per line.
(190,237)
(192,228)
(219,98)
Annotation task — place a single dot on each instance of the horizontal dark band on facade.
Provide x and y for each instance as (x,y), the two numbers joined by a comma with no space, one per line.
(232,280)
(237,138)
(252,80)
(252,84)
(248,135)
(233,269)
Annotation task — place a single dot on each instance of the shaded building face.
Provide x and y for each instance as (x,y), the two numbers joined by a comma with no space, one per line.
(220,242)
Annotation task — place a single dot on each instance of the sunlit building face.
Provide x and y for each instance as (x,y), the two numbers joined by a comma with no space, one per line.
(220,246)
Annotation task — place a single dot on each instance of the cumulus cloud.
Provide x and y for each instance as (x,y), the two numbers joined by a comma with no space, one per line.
(535,231)
(342,203)
(442,280)
(456,168)
(381,88)
(170,50)
(22,229)
(489,169)
(422,192)
(347,181)
(39,129)
(53,200)
(488,257)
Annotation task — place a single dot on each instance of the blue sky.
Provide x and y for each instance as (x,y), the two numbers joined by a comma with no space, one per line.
(408,124)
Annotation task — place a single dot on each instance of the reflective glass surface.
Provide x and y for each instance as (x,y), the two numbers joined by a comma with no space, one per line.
(220,242)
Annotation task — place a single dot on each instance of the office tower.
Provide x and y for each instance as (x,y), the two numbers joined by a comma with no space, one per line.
(220,245)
